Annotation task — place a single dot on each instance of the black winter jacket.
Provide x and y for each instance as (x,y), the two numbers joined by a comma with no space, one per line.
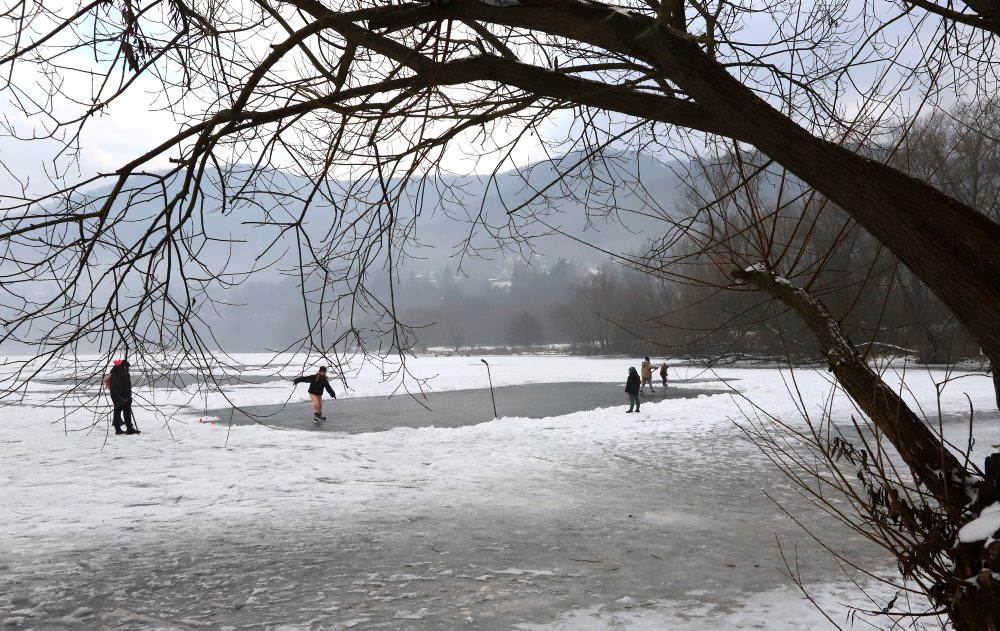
(121,382)
(632,385)
(316,384)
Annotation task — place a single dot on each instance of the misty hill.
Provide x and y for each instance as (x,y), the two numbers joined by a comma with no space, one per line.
(601,203)
(605,208)
(602,207)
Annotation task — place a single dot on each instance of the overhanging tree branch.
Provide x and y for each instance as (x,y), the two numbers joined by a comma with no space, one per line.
(931,462)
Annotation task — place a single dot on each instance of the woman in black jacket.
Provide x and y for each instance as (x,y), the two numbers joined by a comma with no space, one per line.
(317,383)
(632,388)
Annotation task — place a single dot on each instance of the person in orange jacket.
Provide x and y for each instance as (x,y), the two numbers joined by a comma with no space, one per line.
(647,375)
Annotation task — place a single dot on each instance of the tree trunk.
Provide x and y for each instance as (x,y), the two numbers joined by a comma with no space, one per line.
(950,246)
(970,593)
(995,369)
(976,608)
(929,460)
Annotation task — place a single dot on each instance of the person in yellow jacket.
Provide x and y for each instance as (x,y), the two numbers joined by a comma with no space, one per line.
(647,375)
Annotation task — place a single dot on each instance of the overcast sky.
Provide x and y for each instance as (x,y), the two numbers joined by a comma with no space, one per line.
(136,122)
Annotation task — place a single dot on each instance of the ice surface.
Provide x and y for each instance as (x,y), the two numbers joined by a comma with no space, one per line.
(547,523)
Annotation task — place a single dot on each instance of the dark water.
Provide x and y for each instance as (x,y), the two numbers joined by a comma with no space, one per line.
(448,409)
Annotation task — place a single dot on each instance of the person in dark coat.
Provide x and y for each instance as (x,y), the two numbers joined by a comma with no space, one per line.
(663,373)
(317,383)
(119,384)
(632,388)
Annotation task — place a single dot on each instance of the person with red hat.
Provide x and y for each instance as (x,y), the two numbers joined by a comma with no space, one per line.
(119,384)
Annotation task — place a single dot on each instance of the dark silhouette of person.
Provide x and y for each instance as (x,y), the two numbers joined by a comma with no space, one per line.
(632,388)
(120,386)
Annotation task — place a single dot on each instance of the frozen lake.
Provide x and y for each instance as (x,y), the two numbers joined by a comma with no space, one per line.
(586,518)
(453,408)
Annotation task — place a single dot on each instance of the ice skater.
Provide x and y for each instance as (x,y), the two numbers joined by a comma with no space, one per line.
(317,383)
(647,375)
(119,384)
(663,374)
(632,388)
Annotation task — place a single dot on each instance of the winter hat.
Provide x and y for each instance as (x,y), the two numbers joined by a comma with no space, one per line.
(323,368)
(117,362)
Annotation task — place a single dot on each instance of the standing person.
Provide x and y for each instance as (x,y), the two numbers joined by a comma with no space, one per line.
(647,375)
(632,388)
(317,383)
(663,373)
(119,384)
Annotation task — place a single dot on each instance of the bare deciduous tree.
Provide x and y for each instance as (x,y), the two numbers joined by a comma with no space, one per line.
(909,484)
(335,111)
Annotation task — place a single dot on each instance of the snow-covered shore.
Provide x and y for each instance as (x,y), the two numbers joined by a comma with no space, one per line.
(675,482)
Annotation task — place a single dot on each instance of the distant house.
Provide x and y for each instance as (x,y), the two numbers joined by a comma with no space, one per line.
(497,283)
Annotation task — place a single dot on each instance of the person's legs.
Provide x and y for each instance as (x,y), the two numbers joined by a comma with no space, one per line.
(633,402)
(317,404)
(127,414)
(117,418)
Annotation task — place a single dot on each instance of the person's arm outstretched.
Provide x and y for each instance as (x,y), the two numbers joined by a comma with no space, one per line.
(326,384)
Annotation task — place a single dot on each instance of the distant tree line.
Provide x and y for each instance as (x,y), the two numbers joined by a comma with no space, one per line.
(615,309)
(612,308)
(749,211)
(564,303)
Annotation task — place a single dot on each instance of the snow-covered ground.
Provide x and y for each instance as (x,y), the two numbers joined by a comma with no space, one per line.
(592,520)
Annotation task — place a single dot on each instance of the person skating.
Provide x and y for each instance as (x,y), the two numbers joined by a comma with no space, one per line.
(119,384)
(647,375)
(632,388)
(663,373)
(317,383)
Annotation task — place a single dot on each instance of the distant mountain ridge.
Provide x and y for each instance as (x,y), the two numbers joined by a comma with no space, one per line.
(602,205)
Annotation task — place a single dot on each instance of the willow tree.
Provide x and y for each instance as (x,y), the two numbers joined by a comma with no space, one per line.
(335,111)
